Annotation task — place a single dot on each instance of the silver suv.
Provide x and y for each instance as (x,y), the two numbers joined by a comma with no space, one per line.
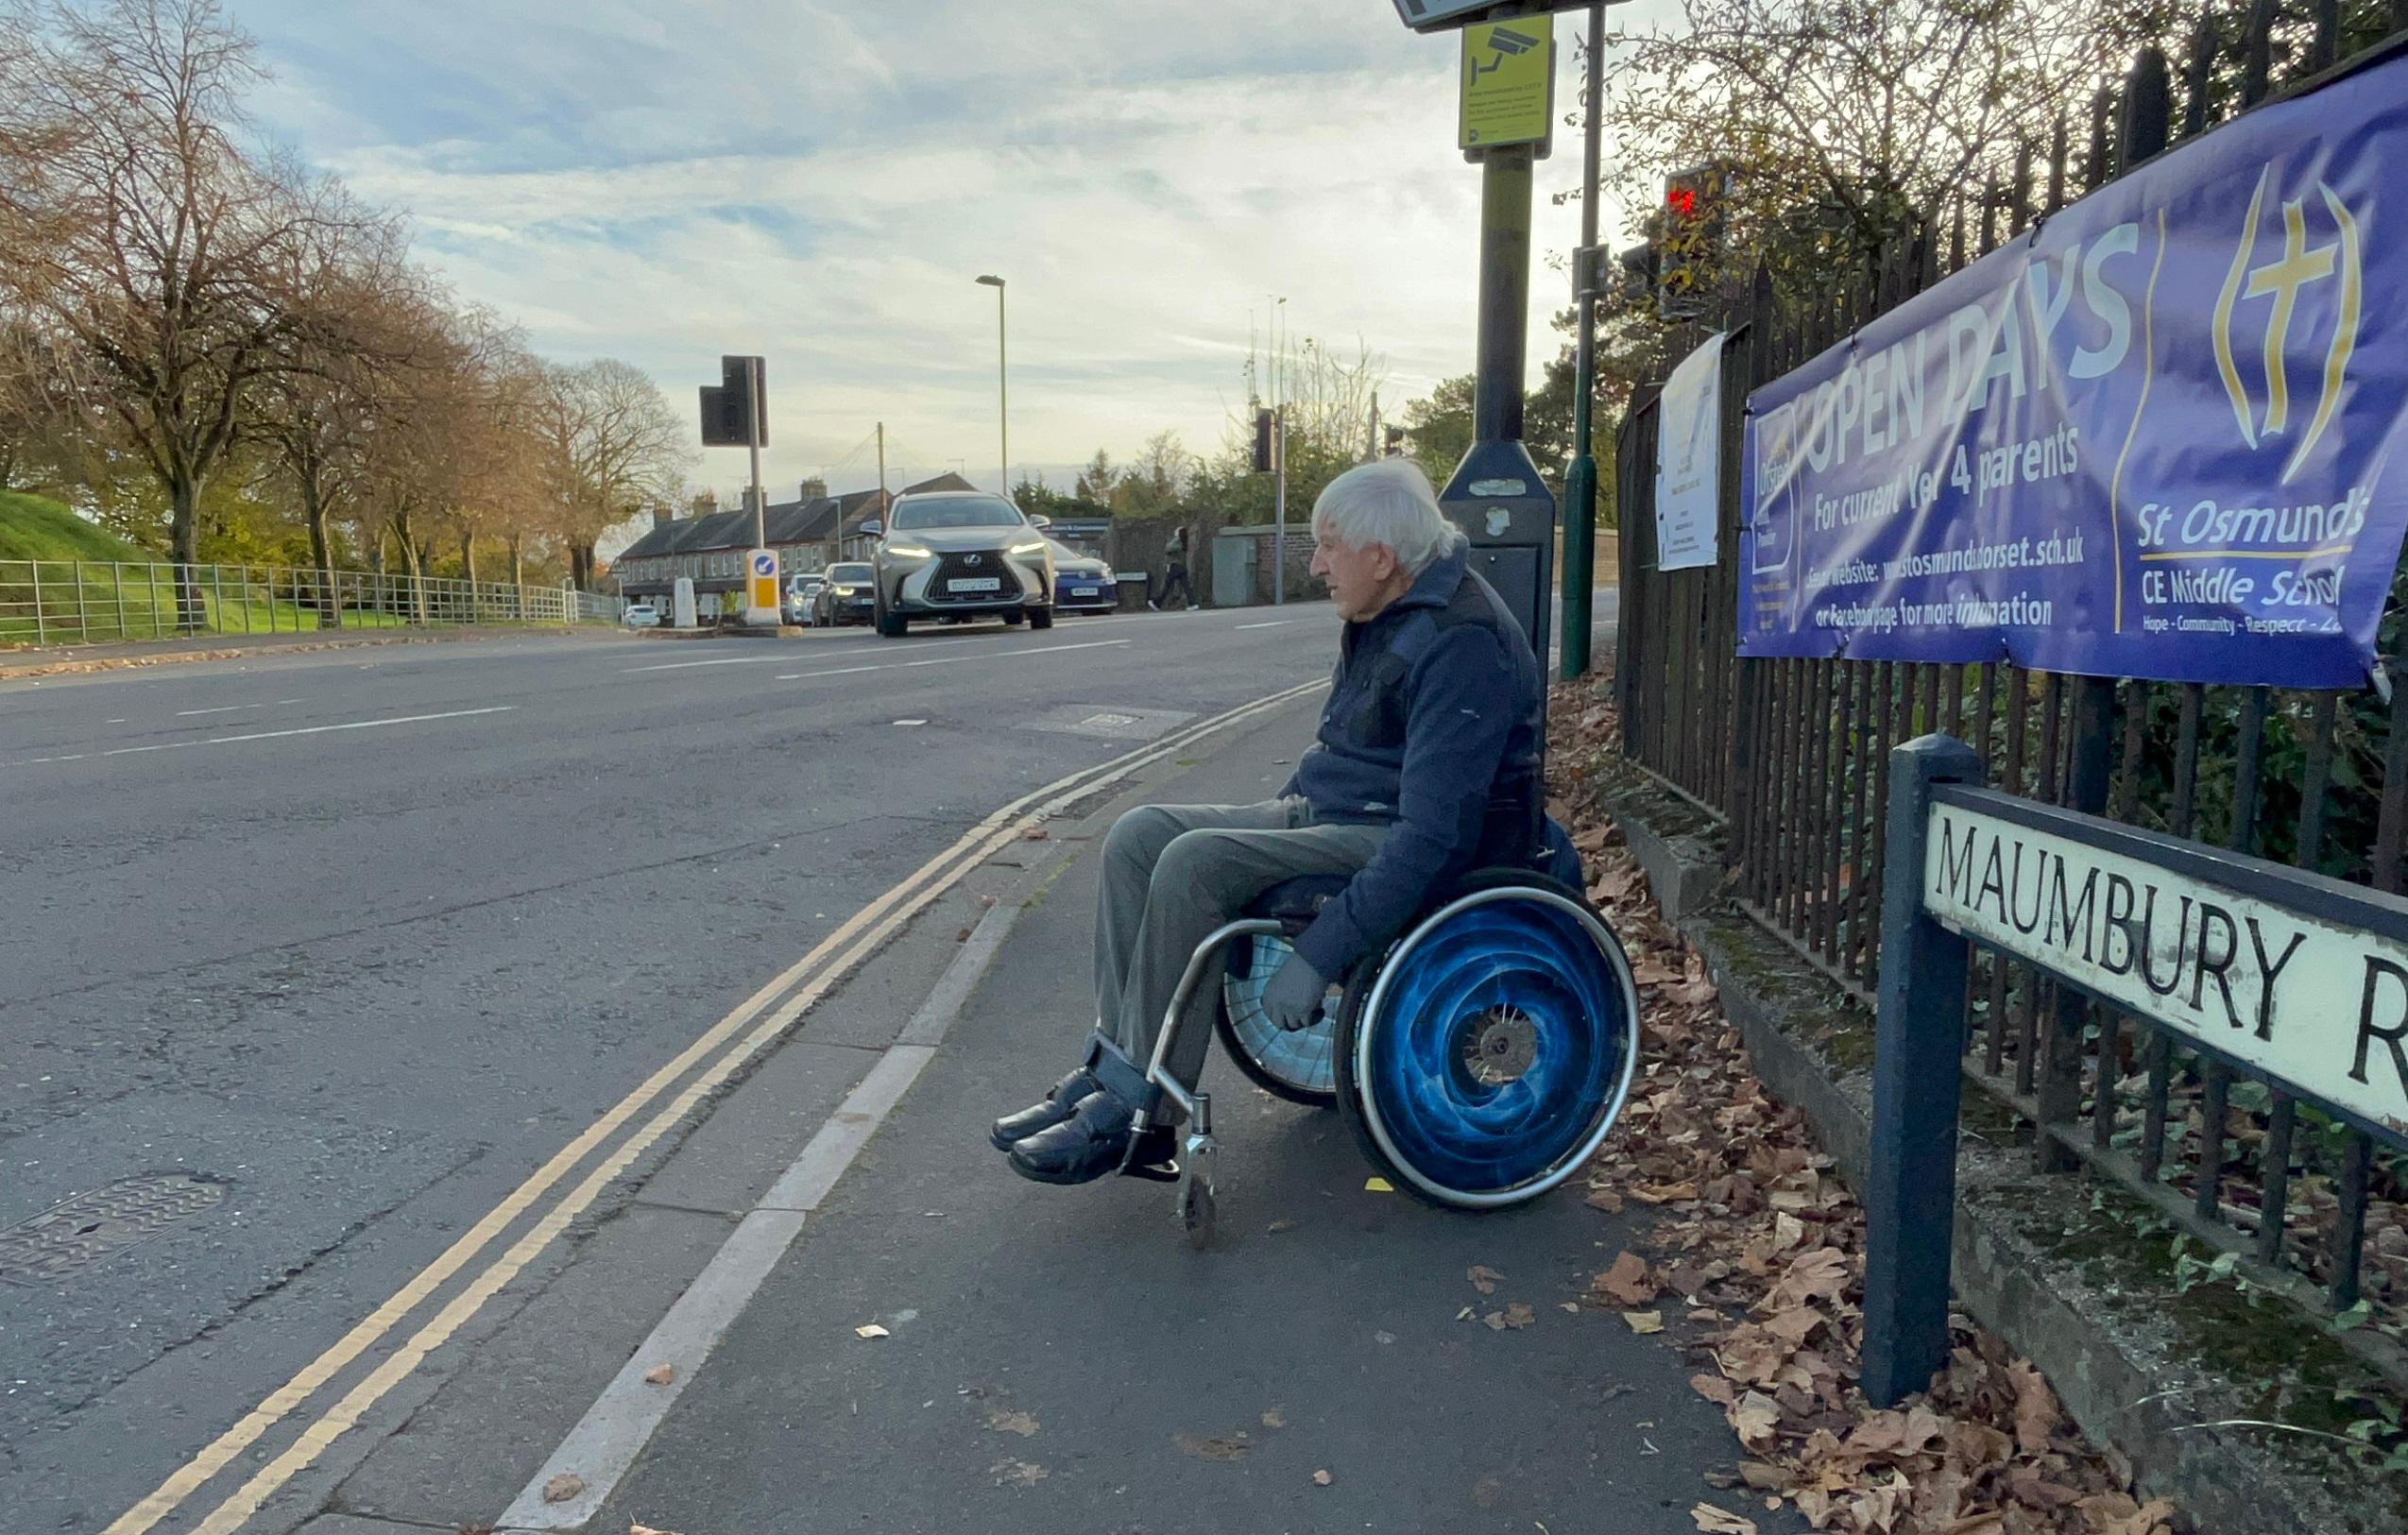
(961,554)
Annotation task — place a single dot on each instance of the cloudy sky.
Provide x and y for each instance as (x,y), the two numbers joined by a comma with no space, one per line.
(820,183)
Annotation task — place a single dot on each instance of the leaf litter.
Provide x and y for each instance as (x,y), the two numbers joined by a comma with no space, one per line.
(1754,1230)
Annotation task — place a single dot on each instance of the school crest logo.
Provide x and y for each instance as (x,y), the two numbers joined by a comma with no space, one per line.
(2287,317)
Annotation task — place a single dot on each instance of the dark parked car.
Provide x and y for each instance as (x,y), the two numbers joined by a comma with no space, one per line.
(846,598)
(1082,583)
(959,554)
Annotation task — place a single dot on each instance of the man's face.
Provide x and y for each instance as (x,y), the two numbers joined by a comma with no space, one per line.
(1362,579)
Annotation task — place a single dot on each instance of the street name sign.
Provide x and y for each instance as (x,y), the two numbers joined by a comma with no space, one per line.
(1509,83)
(2300,979)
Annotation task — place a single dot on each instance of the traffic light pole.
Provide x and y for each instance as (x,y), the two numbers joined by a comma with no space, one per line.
(1579,482)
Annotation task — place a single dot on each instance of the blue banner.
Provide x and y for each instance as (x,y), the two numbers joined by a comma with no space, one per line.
(2159,435)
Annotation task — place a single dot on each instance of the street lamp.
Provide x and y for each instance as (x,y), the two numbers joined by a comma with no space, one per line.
(1002,382)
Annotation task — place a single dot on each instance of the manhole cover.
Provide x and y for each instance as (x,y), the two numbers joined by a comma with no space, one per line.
(89,1227)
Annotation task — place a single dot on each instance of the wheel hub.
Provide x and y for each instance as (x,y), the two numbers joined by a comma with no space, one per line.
(1499,1046)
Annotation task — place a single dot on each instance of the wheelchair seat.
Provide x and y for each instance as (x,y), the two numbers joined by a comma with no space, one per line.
(1294,903)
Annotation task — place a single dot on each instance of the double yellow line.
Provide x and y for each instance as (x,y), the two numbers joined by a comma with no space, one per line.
(756,1022)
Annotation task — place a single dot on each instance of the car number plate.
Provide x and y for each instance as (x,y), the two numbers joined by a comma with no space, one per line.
(981,583)
(1082,591)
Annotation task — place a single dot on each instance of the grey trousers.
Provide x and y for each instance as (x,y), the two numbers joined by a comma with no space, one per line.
(1171,874)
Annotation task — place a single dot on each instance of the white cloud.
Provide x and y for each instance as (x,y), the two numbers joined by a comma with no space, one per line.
(665,183)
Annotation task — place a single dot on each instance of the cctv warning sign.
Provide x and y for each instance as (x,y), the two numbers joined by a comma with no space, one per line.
(1509,83)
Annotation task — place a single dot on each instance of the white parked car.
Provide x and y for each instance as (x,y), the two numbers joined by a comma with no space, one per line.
(641,616)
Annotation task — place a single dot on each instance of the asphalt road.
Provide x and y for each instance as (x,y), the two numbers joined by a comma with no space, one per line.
(311,960)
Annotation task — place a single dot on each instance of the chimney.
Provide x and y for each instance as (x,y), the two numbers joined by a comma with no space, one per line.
(814,489)
(661,517)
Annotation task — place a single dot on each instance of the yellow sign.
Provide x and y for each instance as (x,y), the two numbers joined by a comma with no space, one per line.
(1509,83)
(761,583)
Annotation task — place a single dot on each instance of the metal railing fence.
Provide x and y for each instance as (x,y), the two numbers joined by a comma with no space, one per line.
(1789,756)
(97,602)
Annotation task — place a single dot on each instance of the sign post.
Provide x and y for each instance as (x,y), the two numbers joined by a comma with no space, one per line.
(2293,979)
(736,413)
(1495,494)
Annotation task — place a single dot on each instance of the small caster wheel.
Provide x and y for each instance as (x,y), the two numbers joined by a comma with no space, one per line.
(1196,1213)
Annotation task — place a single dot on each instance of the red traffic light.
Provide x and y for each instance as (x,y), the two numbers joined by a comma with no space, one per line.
(1681,200)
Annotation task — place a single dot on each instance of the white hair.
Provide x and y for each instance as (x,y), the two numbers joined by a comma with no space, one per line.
(1388,502)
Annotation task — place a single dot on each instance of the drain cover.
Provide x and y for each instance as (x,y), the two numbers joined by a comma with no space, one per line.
(89,1227)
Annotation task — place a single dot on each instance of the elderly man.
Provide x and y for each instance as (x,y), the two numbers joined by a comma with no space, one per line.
(1427,762)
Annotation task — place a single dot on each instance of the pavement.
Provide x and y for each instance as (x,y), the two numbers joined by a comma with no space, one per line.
(435,1018)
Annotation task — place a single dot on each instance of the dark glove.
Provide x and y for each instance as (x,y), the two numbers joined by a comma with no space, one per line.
(1293,997)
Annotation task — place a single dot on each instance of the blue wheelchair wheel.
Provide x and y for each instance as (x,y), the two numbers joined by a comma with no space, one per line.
(1491,1057)
(1297,1067)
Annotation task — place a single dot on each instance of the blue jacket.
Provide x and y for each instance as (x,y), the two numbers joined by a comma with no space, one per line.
(1432,725)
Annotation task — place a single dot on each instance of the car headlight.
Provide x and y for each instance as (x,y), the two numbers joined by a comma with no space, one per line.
(911,551)
(1033,548)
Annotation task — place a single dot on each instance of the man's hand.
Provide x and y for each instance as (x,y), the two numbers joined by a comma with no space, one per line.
(1292,1001)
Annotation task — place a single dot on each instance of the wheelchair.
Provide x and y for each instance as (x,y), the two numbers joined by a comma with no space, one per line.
(1479,1061)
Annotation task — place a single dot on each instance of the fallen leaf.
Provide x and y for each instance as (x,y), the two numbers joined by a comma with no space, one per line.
(1035,834)
(1274,1417)
(871,1330)
(1573,1307)
(1483,1278)
(2035,1408)
(1378,1185)
(660,1374)
(1518,1316)
(1016,1474)
(1629,1282)
(1213,1447)
(1496,1321)
(1663,1193)
(1280,1226)
(1321,1479)
(1608,1200)
(1715,1389)
(1753,1417)
(1022,1423)
(1714,1521)
(646,1529)
(1644,1321)
(562,1488)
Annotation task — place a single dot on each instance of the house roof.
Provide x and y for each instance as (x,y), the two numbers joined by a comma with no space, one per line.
(816,521)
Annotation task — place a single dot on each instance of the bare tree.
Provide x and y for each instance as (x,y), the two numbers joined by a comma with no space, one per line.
(614,447)
(142,237)
(1866,110)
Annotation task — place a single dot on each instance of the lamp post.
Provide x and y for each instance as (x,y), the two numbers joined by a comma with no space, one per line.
(1279,458)
(1002,384)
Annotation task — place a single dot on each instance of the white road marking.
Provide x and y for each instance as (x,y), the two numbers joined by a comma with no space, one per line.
(270,735)
(222,708)
(942,660)
(838,672)
(755,660)
(1025,650)
(1273,624)
(911,722)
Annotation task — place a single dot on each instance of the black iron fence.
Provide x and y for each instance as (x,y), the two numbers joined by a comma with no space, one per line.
(1789,754)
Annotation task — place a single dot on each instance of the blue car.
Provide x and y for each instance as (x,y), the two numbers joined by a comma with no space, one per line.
(1082,583)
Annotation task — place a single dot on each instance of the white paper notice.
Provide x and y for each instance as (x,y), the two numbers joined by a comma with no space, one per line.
(1688,460)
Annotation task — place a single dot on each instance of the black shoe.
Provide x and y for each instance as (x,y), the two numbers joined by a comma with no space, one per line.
(1092,1142)
(1015,1128)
